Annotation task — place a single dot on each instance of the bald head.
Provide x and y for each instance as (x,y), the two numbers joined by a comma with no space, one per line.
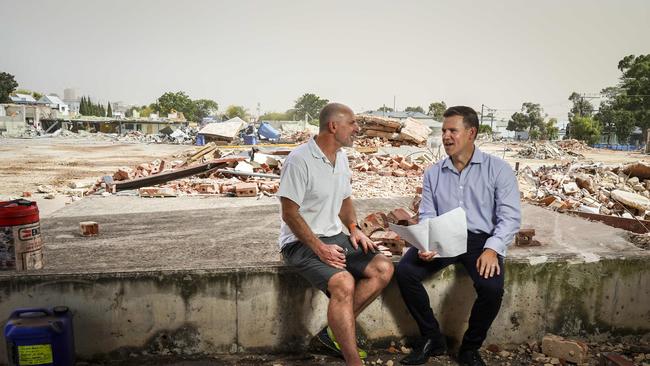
(333,112)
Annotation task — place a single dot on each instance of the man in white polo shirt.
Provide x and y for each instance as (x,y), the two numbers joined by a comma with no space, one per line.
(315,196)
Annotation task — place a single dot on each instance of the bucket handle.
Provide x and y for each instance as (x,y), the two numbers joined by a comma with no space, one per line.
(18,312)
(19,202)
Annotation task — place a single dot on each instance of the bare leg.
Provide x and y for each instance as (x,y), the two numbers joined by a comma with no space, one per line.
(340,315)
(377,275)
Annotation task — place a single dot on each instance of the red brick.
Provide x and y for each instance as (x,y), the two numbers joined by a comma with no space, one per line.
(400,216)
(373,222)
(246,189)
(89,228)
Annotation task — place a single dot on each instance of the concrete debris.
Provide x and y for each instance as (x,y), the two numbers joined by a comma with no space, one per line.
(408,132)
(565,349)
(588,188)
(547,150)
(384,165)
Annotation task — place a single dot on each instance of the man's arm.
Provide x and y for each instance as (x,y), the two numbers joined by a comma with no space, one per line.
(349,218)
(508,218)
(330,254)
(427,207)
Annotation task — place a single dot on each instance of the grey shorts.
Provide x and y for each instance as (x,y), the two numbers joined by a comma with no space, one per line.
(319,273)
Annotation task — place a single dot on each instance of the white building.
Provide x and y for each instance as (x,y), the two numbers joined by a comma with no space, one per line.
(54,102)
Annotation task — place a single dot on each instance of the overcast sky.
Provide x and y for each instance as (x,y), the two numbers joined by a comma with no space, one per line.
(362,53)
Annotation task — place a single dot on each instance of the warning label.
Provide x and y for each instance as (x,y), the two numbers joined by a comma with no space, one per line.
(35,354)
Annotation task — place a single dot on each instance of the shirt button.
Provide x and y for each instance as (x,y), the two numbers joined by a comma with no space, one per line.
(461,202)
(461,187)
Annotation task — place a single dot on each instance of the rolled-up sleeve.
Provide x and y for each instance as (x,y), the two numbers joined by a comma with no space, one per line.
(427,205)
(507,211)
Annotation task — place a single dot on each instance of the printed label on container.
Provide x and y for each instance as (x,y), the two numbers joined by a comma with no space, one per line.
(35,354)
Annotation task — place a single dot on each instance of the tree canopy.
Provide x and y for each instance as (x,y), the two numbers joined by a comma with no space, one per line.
(437,109)
(7,86)
(309,105)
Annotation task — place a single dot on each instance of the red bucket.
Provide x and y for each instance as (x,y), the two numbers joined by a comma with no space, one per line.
(21,247)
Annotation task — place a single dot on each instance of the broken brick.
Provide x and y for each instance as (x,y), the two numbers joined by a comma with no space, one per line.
(400,216)
(246,190)
(390,239)
(157,192)
(89,228)
(524,238)
(374,222)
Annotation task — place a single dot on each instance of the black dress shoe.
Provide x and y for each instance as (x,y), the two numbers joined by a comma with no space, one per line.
(420,355)
(470,357)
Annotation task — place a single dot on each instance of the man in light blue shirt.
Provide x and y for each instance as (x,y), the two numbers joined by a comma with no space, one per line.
(486,188)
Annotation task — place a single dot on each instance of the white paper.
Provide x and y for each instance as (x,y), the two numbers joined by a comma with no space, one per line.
(445,234)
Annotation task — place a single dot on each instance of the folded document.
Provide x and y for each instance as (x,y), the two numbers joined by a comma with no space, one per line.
(445,234)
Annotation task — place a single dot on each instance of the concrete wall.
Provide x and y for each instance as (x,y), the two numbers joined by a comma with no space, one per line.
(272,309)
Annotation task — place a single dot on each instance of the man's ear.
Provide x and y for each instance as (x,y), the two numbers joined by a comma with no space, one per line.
(331,126)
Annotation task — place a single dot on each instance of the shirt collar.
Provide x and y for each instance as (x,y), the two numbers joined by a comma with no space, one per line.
(317,152)
(477,158)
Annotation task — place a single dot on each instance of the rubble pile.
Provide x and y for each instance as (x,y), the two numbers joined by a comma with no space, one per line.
(181,135)
(573,145)
(298,137)
(385,165)
(408,131)
(547,150)
(622,191)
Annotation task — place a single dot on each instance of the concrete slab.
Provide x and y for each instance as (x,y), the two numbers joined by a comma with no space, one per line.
(197,276)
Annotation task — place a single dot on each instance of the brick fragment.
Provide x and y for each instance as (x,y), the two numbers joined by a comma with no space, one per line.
(246,189)
(565,349)
(207,188)
(390,239)
(374,222)
(400,216)
(89,228)
(524,238)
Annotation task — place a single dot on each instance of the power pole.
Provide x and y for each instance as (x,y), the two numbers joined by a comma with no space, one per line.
(482,105)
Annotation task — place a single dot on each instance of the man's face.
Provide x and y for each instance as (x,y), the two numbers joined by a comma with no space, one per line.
(456,138)
(346,129)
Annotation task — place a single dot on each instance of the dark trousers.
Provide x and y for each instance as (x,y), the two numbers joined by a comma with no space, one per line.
(411,270)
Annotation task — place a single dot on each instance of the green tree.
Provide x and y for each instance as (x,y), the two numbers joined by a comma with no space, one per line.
(7,86)
(586,129)
(36,95)
(309,105)
(109,110)
(414,109)
(178,102)
(530,118)
(635,84)
(437,109)
(549,130)
(385,109)
(581,107)
(235,111)
(485,129)
(146,111)
(204,108)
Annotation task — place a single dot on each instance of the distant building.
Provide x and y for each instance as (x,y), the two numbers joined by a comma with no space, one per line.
(55,103)
(22,99)
(70,98)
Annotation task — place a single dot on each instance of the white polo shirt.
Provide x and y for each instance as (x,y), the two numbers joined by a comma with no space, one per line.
(309,179)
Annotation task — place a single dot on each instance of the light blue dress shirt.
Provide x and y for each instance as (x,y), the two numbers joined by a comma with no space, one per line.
(486,189)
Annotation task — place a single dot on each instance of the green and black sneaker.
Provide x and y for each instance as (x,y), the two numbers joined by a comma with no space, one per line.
(326,337)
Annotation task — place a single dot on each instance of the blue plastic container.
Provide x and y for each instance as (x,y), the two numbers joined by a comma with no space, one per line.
(250,139)
(39,336)
(200,140)
(266,131)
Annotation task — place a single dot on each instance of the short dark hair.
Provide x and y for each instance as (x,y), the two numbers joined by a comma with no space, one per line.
(470,117)
(331,110)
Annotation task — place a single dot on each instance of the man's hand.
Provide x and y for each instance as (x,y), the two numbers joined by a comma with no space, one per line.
(357,237)
(427,256)
(488,264)
(332,255)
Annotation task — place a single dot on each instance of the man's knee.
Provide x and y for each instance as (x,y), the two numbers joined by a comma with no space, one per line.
(490,289)
(382,268)
(341,286)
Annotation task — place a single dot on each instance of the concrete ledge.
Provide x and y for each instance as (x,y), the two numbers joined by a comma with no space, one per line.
(271,309)
(203,306)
